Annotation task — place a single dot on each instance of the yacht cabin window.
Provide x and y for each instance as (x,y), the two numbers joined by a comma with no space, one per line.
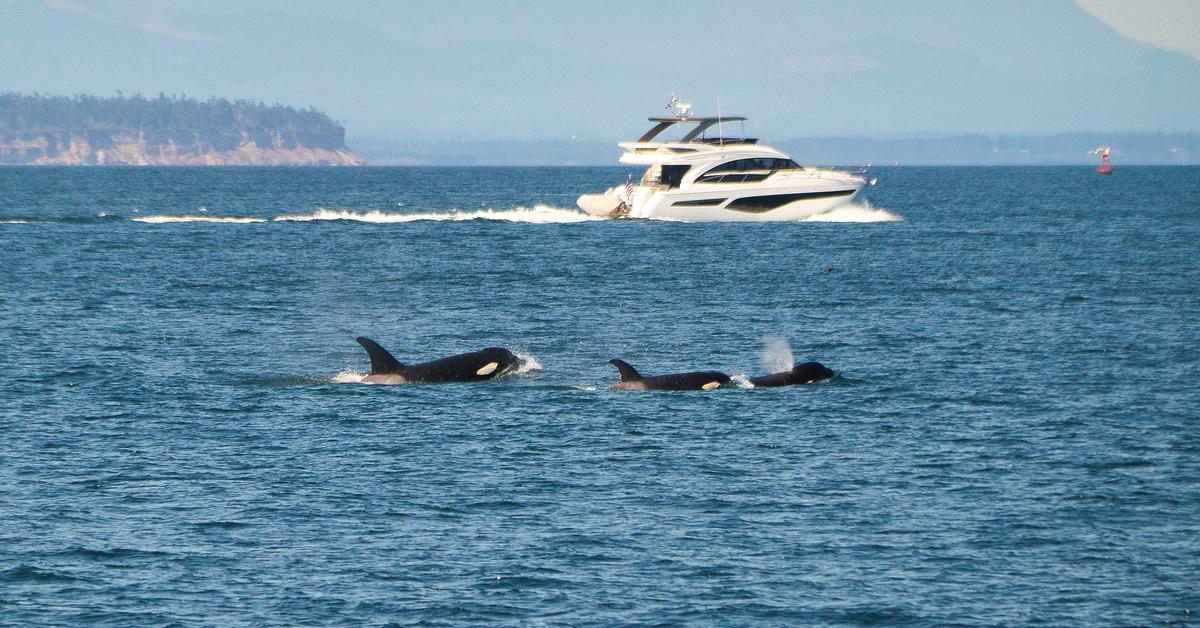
(746,170)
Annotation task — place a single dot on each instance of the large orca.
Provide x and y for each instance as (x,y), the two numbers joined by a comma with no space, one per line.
(698,380)
(467,367)
(805,373)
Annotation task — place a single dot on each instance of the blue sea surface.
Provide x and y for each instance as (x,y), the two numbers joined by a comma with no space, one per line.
(1013,436)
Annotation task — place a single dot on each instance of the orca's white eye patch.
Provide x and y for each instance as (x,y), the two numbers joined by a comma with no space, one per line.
(711,385)
(488,368)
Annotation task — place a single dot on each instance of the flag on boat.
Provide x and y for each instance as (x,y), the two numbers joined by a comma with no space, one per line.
(629,188)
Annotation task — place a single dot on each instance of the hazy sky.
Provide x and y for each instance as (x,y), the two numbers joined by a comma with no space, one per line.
(1172,24)
(537,69)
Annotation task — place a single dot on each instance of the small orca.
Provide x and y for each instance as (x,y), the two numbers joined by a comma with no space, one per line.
(805,373)
(698,380)
(467,367)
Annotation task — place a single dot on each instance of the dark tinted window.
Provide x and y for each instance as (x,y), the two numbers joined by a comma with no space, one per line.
(672,175)
(740,170)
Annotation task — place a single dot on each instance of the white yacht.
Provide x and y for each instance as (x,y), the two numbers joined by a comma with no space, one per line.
(708,175)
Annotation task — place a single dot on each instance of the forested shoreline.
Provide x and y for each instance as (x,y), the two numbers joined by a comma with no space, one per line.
(135,130)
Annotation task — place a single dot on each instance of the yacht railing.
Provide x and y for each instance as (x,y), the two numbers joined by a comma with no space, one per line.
(829,173)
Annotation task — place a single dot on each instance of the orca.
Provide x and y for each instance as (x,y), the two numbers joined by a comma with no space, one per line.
(697,380)
(466,367)
(805,373)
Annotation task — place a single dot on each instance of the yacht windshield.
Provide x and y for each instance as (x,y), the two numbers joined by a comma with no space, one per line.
(732,131)
(742,170)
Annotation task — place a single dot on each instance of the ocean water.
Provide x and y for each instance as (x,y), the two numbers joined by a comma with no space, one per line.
(1013,437)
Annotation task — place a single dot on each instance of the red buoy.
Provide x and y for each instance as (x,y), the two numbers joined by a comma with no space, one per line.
(1105,165)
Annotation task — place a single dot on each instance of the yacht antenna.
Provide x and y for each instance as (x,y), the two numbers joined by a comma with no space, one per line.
(720,127)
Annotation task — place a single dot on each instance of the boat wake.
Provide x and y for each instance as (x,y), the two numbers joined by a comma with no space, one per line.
(855,212)
(162,219)
(538,214)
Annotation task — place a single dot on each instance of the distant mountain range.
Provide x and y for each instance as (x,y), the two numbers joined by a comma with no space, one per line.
(976,149)
(86,130)
(538,70)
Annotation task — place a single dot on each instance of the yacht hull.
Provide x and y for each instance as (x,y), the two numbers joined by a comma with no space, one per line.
(758,205)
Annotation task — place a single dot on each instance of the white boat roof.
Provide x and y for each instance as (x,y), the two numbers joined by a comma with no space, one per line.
(702,125)
(649,153)
(692,146)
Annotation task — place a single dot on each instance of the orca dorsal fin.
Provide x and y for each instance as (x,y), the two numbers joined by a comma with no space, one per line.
(628,373)
(382,362)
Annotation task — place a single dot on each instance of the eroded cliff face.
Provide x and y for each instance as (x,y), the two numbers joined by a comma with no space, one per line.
(139,148)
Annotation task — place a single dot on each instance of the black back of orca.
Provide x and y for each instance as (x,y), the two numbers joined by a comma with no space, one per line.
(695,380)
(465,367)
(805,373)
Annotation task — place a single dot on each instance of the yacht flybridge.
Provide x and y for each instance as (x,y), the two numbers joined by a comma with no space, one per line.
(707,175)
